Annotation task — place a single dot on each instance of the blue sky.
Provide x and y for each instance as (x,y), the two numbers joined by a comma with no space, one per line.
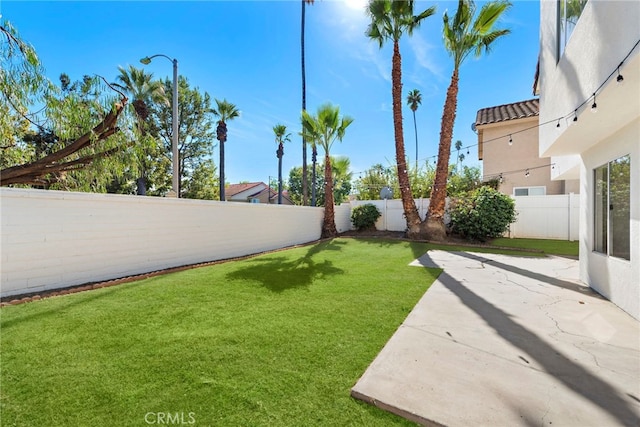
(249,53)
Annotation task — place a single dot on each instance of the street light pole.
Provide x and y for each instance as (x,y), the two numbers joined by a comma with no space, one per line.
(174,122)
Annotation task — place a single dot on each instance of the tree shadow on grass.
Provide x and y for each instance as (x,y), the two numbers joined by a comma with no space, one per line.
(281,273)
(417,248)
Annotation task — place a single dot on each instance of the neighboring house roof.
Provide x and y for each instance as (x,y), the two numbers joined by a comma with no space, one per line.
(502,113)
(249,190)
(233,189)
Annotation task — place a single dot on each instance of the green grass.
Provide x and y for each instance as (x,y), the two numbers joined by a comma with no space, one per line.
(549,247)
(274,340)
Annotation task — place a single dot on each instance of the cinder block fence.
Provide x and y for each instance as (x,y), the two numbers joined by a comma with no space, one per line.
(53,239)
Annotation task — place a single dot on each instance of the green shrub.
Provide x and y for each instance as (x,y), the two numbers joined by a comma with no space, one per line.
(484,214)
(364,217)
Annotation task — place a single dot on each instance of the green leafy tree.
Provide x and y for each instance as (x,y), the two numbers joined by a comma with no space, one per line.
(195,133)
(84,124)
(463,35)
(22,84)
(326,127)
(341,177)
(414,99)
(375,178)
(281,137)
(463,181)
(390,19)
(225,111)
(295,180)
(202,182)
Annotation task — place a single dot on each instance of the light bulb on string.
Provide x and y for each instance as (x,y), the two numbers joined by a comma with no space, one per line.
(575,116)
(619,79)
(510,140)
(558,125)
(594,106)
(501,179)
(526,173)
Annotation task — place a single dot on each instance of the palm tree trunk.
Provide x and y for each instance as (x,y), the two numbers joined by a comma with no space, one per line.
(305,186)
(408,204)
(435,215)
(314,161)
(222,196)
(280,154)
(329,223)
(415,131)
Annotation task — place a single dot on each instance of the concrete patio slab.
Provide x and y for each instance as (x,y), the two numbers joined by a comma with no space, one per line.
(506,341)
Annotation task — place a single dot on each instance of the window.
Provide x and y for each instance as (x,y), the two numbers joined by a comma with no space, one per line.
(529,191)
(569,12)
(612,208)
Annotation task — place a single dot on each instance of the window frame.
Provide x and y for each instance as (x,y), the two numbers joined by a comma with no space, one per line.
(563,30)
(528,188)
(606,231)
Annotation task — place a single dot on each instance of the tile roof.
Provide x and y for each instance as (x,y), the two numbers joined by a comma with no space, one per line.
(501,113)
(233,189)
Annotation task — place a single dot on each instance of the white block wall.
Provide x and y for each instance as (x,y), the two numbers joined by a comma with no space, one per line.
(53,239)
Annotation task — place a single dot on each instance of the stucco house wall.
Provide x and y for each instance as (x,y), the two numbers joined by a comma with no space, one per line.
(513,160)
(604,40)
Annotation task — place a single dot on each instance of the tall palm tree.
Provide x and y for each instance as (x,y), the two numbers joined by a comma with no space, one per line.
(324,128)
(414,98)
(281,137)
(390,19)
(462,36)
(141,87)
(224,111)
(305,184)
(458,146)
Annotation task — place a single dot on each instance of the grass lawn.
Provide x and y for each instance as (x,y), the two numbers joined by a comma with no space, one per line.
(278,339)
(549,247)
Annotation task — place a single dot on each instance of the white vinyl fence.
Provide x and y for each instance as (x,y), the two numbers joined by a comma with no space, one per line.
(54,239)
(539,217)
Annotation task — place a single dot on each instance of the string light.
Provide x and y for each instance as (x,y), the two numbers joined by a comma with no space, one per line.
(619,79)
(569,118)
(501,179)
(526,174)
(510,140)
(594,106)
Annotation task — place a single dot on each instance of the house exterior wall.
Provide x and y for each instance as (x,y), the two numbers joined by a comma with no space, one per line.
(512,160)
(55,239)
(603,37)
(617,279)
